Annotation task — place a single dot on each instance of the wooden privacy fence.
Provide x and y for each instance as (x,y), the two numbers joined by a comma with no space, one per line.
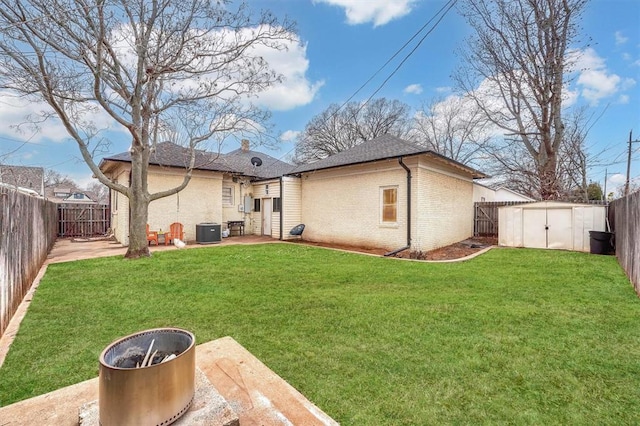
(626,223)
(83,220)
(485,222)
(28,227)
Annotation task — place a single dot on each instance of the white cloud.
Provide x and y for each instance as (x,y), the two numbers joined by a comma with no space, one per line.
(296,90)
(443,89)
(594,79)
(18,113)
(624,99)
(414,89)
(379,12)
(597,84)
(620,38)
(289,135)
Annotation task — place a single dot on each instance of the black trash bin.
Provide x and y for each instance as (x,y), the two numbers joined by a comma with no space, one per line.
(601,242)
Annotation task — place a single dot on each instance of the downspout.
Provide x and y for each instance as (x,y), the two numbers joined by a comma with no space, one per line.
(408,246)
(281,209)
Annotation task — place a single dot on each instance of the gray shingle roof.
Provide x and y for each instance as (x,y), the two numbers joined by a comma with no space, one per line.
(383,147)
(240,161)
(380,148)
(168,154)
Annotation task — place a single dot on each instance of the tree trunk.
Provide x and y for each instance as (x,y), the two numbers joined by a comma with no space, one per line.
(139,201)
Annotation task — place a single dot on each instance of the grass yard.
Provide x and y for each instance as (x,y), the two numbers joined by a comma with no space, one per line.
(514,336)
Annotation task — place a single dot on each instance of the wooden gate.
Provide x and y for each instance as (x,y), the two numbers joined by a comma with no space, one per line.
(485,223)
(83,220)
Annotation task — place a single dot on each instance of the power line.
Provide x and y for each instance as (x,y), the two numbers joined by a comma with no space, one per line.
(438,17)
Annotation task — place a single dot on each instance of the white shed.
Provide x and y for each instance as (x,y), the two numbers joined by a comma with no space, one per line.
(550,224)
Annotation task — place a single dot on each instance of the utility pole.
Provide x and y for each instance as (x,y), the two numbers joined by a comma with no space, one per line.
(626,185)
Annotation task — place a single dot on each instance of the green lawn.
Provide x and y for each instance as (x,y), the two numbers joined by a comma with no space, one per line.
(514,336)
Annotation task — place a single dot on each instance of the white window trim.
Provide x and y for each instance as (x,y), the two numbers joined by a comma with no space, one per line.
(232,193)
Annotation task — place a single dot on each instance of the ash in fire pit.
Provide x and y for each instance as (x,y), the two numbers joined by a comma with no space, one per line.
(135,357)
(147,378)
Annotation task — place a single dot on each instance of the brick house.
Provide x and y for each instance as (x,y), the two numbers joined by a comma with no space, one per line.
(384,193)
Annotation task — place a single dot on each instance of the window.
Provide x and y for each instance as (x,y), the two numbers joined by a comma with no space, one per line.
(227,196)
(389,213)
(256,205)
(277,205)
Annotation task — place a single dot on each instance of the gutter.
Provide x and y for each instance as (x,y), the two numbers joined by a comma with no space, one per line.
(281,210)
(408,246)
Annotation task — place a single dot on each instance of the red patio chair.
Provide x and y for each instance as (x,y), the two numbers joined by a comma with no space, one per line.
(176,230)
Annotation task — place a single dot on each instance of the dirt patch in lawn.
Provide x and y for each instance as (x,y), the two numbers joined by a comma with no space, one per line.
(454,251)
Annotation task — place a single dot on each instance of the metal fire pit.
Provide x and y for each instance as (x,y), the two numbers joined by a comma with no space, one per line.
(155,395)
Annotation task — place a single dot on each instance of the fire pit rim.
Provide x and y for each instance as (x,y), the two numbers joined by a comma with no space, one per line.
(121,340)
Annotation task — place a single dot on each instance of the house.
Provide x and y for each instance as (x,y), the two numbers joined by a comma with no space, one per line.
(386,193)
(23,177)
(483,192)
(220,186)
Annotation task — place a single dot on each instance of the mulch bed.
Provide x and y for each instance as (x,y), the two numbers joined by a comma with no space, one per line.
(453,251)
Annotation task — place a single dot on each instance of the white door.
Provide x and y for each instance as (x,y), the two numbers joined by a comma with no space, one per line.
(534,226)
(560,231)
(266,216)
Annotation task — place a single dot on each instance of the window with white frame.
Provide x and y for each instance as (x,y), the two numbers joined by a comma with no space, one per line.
(389,204)
(227,195)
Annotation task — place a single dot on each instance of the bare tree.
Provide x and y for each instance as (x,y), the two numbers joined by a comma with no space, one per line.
(98,192)
(515,69)
(53,178)
(147,67)
(453,127)
(337,129)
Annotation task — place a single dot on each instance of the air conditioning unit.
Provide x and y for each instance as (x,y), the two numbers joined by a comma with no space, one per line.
(208,233)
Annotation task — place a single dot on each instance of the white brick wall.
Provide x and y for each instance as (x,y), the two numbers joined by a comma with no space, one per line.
(343,205)
(200,201)
(339,205)
(444,207)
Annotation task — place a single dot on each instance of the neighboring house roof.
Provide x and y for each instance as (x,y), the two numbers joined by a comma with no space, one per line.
(168,154)
(380,148)
(66,195)
(23,177)
(19,189)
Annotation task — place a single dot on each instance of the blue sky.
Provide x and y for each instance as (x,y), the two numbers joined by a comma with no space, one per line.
(343,42)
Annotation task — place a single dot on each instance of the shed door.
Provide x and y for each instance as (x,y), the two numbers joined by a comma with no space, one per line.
(534,225)
(560,231)
(266,216)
